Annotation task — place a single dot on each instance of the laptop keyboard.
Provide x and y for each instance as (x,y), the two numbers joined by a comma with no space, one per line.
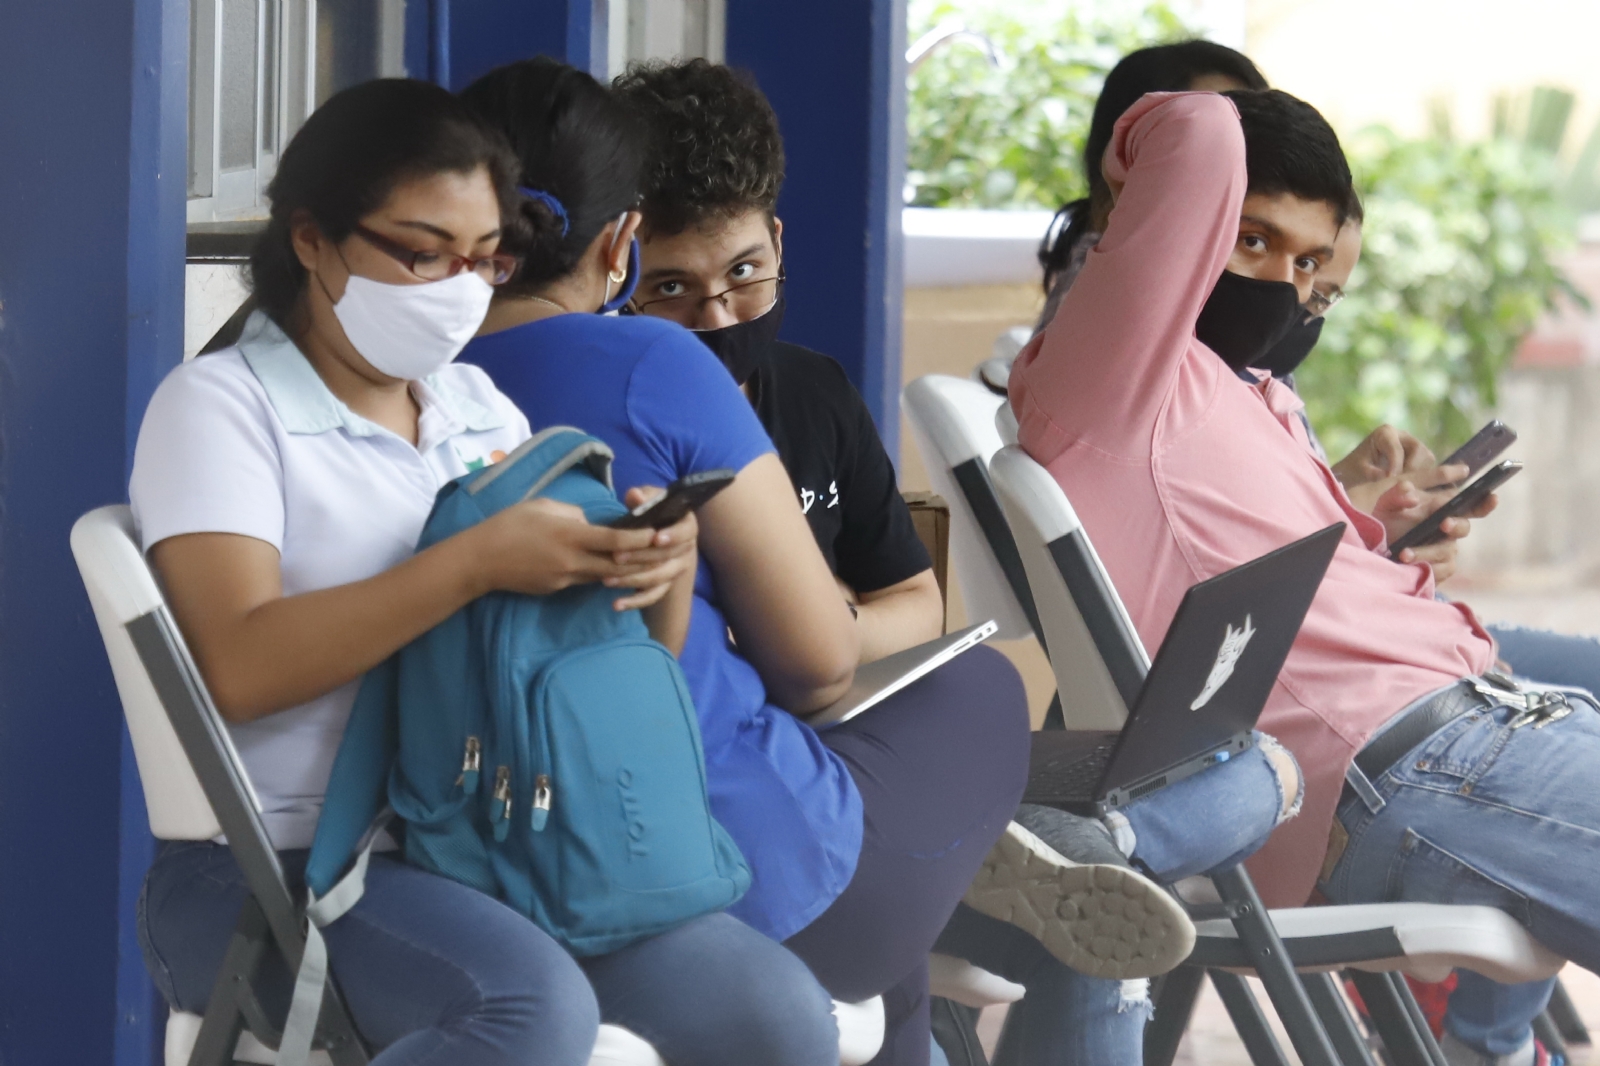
(1068,778)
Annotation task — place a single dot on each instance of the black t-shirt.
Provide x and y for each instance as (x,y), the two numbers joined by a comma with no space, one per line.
(827,441)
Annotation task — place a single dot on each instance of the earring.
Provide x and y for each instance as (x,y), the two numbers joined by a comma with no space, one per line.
(618,276)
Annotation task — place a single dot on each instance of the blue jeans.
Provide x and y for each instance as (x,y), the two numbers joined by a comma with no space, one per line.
(438,974)
(1211,821)
(1480,813)
(1484,1014)
(1554,658)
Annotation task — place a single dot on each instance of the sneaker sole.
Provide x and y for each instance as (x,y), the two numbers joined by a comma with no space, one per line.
(1101,920)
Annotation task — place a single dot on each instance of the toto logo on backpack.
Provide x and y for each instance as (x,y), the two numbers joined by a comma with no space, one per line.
(632,815)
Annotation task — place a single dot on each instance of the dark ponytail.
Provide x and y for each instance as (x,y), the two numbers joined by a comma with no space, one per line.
(1165,68)
(351,154)
(574,141)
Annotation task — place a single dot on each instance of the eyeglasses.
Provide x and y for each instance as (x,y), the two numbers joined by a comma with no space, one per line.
(437,266)
(1320,303)
(746,300)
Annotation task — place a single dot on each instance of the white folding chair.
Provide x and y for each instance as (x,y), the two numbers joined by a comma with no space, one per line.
(1100,663)
(955,425)
(952,422)
(196,788)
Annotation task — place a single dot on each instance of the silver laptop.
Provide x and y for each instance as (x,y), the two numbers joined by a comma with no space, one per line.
(878,680)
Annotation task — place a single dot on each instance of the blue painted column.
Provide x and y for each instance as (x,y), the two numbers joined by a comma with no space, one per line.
(92,175)
(835,72)
(455,41)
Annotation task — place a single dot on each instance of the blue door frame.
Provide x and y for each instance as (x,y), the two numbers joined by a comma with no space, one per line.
(93,122)
(92,174)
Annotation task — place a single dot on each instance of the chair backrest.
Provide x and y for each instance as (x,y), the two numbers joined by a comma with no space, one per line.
(952,421)
(123,590)
(1095,651)
(1005,424)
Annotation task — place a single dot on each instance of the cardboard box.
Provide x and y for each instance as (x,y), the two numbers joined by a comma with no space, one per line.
(931,516)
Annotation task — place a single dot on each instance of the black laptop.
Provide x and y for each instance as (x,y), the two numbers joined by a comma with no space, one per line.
(1204,692)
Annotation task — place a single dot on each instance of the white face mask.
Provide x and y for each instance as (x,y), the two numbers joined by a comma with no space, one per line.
(411,331)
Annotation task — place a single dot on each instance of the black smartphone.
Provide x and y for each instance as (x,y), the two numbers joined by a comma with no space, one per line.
(682,496)
(1484,448)
(1427,530)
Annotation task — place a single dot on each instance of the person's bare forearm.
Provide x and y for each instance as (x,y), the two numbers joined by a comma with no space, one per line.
(777,593)
(668,619)
(262,652)
(292,649)
(900,618)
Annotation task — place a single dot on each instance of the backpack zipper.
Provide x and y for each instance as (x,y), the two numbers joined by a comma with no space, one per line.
(502,795)
(541,802)
(470,764)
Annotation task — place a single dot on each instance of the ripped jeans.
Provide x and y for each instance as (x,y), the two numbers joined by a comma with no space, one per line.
(1211,821)
(1485,813)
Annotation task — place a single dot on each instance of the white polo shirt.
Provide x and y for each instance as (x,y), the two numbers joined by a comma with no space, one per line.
(250,441)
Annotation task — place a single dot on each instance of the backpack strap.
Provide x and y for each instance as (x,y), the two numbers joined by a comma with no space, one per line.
(535,465)
(294,1049)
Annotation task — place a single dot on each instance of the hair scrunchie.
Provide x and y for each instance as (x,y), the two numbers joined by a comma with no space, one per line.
(555,206)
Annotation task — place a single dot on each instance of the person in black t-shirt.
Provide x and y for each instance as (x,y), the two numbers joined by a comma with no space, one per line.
(711,259)
(725,281)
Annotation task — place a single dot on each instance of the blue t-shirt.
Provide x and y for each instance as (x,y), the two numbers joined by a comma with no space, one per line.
(668,408)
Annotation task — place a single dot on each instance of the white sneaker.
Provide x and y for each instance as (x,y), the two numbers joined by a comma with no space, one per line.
(1091,910)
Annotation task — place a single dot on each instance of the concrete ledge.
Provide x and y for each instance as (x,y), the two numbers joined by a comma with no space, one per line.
(945,247)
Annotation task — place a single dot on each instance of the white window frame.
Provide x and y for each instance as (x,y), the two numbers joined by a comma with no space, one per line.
(237,193)
(639,30)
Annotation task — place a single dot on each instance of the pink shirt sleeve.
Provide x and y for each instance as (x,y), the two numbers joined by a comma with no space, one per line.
(1103,370)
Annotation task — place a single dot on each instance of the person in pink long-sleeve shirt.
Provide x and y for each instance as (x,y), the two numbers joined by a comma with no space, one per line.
(1179,469)
(1428,777)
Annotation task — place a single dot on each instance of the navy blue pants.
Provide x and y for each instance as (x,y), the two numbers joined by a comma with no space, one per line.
(439,974)
(941,767)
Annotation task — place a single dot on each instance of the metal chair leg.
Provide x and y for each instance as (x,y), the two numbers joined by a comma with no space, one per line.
(955,1029)
(1565,1016)
(1419,1021)
(1549,1034)
(1248,1020)
(201,732)
(1174,995)
(224,1020)
(1328,999)
(1275,968)
(1406,1037)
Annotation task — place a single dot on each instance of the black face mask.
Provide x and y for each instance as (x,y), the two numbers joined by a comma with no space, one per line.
(1244,318)
(744,346)
(1287,355)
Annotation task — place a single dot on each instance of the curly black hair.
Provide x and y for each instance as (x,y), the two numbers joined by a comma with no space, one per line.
(715,151)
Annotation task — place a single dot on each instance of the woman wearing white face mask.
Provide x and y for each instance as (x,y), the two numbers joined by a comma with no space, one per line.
(280,487)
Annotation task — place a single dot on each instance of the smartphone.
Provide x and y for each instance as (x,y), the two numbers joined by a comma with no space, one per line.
(1427,530)
(1484,447)
(682,496)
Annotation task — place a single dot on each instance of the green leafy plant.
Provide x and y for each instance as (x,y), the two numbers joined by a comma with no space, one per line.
(1460,260)
(1010,132)
(1462,239)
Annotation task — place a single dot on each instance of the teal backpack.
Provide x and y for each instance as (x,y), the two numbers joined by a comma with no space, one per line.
(542,749)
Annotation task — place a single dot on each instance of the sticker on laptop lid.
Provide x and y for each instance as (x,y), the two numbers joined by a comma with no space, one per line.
(1234,641)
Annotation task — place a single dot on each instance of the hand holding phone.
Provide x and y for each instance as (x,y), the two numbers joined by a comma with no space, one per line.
(1467,500)
(682,496)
